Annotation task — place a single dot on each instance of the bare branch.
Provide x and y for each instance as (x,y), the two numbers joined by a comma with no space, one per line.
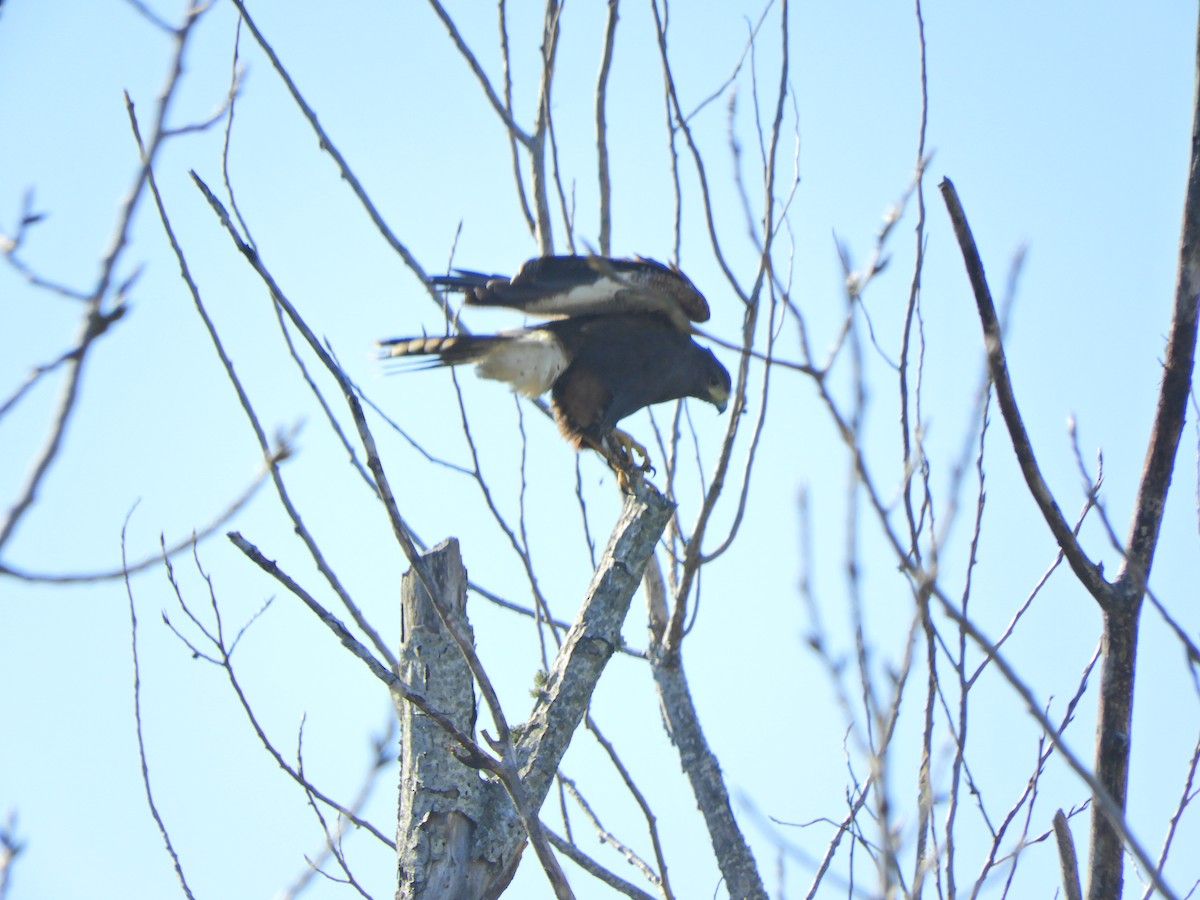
(693,554)
(504,111)
(1115,720)
(610,33)
(333,842)
(607,837)
(1085,570)
(150,16)
(680,123)
(477,756)
(1109,806)
(94,324)
(594,869)
(537,147)
(1189,794)
(661,879)
(39,371)
(327,144)
(708,785)
(137,718)
(1176,382)
(1067,858)
(592,639)
(282,451)
(501,8)
(399,528)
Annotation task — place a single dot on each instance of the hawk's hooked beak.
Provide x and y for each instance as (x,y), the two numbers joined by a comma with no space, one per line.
(719,398)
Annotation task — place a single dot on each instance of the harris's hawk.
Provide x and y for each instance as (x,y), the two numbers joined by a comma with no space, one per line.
(620,341)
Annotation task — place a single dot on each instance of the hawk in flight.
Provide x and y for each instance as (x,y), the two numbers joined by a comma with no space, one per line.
(618,340)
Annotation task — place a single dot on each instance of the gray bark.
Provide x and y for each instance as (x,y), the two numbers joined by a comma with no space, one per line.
(439,796)
(459,834)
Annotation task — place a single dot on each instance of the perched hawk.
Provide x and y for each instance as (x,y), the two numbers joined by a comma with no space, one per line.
(620,341)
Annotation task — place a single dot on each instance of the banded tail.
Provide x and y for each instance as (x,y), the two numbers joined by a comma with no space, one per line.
(452,350)
(529,360)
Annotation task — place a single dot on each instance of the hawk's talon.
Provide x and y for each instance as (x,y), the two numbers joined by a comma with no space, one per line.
(628,446)
(618,449)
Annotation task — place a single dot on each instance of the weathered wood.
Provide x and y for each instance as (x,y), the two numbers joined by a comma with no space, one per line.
(436,829)
(459,834)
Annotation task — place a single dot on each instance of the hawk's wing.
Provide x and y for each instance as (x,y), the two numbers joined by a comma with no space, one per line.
(586,285)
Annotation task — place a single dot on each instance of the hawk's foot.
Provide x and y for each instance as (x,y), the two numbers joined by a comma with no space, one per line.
(622,447)
(618,450)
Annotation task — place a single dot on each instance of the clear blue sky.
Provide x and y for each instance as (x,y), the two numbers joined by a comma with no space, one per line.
(1065,129)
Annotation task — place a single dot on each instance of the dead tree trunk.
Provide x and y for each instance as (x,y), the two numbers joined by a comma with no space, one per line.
(459,834)
(436,830)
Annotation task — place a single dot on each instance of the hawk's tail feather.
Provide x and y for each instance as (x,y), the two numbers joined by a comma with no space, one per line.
(529,360)
(453,350)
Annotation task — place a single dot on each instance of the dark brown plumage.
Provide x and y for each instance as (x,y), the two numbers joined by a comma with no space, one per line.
(583,285)
(623,342)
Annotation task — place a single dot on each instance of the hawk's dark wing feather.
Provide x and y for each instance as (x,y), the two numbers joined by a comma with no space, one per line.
(586,285)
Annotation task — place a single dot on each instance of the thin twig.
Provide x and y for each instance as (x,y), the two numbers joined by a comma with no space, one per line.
(500,108)
(282,451)
(605,200)
(327,144)
(607,837)
(662,879)
(137,718)
(474,753)
(1188,795)
(593,868)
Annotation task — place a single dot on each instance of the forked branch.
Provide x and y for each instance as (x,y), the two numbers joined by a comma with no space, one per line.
(1121,599)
